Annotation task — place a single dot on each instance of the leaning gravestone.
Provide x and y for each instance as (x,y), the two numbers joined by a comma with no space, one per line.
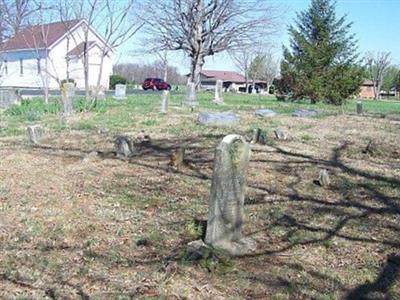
(280,134)
(164,101)
(225,217)
(190,99)
(124,147)
(120,92)
(8,97)
(219,92)
(259,136)
(265,113)
(302,113)
(359,108)
(68,95)
(35,133)
(218,118)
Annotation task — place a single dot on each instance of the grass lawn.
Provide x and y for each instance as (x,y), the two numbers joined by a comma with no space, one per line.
(79,226)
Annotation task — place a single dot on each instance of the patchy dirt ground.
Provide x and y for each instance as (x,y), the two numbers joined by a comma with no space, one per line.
(79,226)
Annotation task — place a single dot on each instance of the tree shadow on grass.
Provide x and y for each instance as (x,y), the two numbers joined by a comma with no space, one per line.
(380,288)
(347,209)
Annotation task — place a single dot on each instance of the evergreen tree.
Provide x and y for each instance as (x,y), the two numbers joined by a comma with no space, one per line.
(322,63)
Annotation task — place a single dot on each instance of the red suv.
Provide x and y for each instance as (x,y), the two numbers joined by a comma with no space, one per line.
(155,84)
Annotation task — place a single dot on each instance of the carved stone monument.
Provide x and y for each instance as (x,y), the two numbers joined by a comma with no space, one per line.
(120,92)
(225,217)
(164,101)
(190,99)
(68,95)
(219,92)
(35,133)
(359,107)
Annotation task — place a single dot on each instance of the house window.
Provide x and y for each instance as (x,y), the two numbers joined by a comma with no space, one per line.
(38,66)
(21,66)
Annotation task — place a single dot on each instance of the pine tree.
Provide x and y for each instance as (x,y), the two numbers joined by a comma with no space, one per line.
(322,63)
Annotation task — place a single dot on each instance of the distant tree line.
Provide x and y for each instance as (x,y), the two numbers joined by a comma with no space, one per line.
(137,73)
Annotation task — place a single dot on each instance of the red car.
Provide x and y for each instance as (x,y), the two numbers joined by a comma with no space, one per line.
(155,84)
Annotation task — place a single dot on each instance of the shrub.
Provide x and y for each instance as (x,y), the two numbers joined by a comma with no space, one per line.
(33,109)
(117,79)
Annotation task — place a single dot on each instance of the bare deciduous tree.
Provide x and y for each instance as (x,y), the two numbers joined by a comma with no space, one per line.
(116,21)
(39,37)
(16,14)
(242,59)
(377,66)
(203,28)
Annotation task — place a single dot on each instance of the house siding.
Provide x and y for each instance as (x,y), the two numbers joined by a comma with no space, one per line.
(367,92)
(13,77)
(56,64)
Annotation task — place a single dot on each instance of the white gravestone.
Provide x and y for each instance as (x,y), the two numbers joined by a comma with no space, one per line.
(190,99)
(35,133)
(120,92)
(164,101)
(219,92)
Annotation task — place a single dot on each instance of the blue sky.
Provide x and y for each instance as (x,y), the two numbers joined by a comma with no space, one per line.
(376,25)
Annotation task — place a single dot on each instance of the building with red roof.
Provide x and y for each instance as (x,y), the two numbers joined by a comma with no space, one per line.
(45,54)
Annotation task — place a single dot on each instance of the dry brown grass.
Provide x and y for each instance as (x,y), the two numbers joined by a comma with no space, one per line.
(69,224)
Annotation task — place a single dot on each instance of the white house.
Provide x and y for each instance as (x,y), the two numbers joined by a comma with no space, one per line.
(44,55)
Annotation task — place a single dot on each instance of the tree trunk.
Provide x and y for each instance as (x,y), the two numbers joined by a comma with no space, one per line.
(165,72)
(86,73)
(196,67)
(374,89)
(86,65)
(98,84)
(45,77)
(197,45)
(378,96)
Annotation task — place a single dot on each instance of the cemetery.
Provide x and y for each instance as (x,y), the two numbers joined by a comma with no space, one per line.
(136,198)
(199,149)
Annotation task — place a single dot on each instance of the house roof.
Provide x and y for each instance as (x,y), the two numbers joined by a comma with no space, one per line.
(38,36)
(368,82)
(224,75)
(78,50)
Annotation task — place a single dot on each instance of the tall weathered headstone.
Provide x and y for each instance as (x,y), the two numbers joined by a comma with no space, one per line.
(164,101)
(190,98)
(219,92)
(359,107)
(68,95)
(35,133)
(225,217)
(120,92)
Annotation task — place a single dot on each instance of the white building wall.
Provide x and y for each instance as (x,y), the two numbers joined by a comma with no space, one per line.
(11,72)
(75,69)
(56,64)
